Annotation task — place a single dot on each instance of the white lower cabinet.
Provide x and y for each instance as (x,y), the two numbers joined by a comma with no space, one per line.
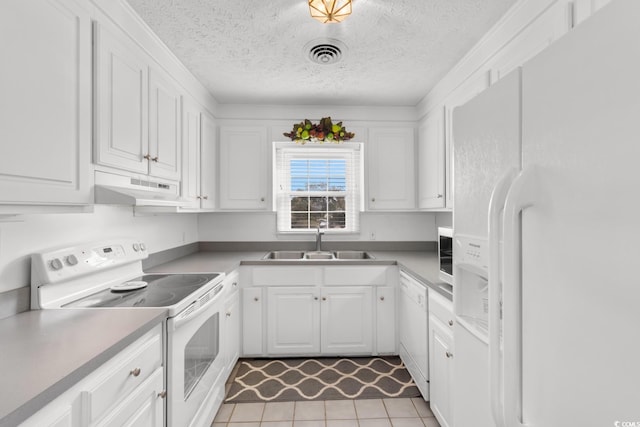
(314,310)
(293,320)
(128,390)
(346,313)
(441,360)
(231,336)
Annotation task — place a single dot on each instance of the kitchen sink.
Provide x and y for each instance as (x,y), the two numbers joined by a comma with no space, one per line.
(285,255)
(353,255)
(319,255)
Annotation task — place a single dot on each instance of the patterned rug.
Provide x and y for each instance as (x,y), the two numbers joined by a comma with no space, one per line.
(271,380)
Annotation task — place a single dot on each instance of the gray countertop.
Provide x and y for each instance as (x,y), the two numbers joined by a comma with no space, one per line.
(45,352)
(423,265)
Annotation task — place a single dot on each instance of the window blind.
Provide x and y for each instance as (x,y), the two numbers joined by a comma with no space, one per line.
(318,185)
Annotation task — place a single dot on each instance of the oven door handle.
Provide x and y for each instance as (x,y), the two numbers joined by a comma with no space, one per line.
(192,311)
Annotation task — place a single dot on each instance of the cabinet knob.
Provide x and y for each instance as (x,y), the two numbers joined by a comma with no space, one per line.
(439,196)
(262,199)
(324,298)
(228,314)
(450,322)
(135,372)
(147,156)
(162,394)
(234,284)
(205,197)
(256,298)
(373,199)
(381,298)
(198,197)
(449,355)
(154,159)
(315,298)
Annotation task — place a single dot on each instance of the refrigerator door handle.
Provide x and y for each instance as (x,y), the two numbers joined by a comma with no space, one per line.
(521,196)
(496,207)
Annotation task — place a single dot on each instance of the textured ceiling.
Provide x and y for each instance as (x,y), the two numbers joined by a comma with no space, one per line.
(250,51)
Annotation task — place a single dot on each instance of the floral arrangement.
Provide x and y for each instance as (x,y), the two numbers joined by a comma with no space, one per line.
(324,131)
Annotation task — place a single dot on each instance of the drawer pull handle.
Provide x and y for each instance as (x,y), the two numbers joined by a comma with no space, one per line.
(135,372)
(162,394)
(449,355)
(450,322)
(154,159)
(147,156)
(235,284)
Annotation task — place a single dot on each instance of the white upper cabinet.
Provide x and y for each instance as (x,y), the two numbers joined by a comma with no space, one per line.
(191,152)
(391,169)
(45,102)
(137,108)
(244,180)
(431,161)
(164,126)
(208,161)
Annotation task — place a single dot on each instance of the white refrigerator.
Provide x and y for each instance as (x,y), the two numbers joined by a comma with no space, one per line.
(547,236)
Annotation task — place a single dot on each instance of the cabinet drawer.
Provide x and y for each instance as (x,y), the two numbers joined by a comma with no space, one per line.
(441,308)
(128,371)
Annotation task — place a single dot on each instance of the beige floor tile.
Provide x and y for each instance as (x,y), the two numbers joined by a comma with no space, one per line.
(370,408)
(340,410)
(256,424)
(224,413)
(407,422)
(342,423)
(309,423)
(309,410)
(277,423)
(424,411)
(430,422)
(278,411)
(223,424)
(374,422)
(247,412)
(400,408)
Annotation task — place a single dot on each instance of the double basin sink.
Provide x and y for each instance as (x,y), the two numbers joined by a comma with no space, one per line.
(318,255)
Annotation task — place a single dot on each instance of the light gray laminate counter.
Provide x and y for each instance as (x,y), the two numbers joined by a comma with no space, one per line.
(423,265)
(45,352)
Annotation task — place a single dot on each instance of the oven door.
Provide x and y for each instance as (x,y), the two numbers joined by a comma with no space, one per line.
(194,359)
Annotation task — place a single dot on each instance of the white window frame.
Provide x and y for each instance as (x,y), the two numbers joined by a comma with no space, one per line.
(354,203)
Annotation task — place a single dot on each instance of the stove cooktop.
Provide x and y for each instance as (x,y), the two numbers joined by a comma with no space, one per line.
(162,290)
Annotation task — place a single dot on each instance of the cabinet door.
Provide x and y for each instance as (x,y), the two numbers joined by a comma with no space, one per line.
(191,153)
(121,101)
(391,169)
(232,331)
(45,102)
(386,320)
(347,320)
(208,161)
(164,126)
(440,370)
(431,161)
(144,407)
(252,322)
(293,320)
(244,179)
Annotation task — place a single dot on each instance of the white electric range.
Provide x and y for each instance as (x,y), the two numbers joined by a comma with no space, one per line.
(109,274)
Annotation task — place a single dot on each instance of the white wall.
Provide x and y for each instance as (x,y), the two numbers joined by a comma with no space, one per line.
(261,226)
(27,234)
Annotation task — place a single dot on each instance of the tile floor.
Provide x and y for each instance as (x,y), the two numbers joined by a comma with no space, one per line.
(414,412)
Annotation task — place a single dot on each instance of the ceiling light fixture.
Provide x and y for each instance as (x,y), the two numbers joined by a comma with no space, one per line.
(330,11)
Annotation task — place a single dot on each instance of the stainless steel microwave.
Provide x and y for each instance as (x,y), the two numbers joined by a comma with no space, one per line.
(445,254)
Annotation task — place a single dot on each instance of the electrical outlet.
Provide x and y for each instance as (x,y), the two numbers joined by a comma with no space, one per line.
(372,235)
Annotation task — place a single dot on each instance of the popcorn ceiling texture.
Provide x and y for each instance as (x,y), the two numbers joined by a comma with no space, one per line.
(250,51)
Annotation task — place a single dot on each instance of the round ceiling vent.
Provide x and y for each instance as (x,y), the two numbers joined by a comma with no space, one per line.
(325,51)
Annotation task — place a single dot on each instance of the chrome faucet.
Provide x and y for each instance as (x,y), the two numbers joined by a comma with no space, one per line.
(319,233)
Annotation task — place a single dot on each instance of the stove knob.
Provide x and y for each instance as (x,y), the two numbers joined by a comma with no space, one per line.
(143,247)
(56,264)
(72,260)
(136,247)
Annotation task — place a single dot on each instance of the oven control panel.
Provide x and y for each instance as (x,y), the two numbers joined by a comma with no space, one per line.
(70,262)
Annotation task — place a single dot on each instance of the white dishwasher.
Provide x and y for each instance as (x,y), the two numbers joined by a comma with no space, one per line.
(413,328)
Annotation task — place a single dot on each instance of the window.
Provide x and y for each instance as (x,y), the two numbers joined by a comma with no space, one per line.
(318,186)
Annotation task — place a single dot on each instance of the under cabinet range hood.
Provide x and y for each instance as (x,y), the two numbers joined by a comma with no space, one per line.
(113,189)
